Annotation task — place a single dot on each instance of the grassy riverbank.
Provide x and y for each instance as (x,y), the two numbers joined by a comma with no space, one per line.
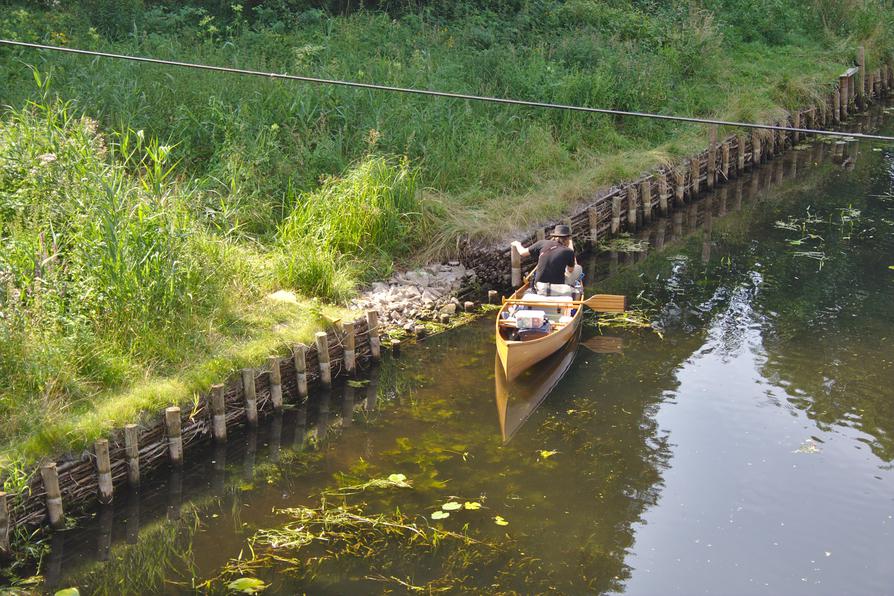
(146,213)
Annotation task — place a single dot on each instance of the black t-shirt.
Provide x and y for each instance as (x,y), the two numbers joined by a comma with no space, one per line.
(552,259)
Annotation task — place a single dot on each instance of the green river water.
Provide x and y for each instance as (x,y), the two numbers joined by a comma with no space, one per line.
(747,449)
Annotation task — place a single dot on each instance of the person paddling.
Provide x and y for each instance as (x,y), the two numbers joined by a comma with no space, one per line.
(557,269)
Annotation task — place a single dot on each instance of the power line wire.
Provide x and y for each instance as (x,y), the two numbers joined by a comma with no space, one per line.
(433,93)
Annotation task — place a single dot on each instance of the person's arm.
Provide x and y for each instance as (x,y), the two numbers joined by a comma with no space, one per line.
(522,251)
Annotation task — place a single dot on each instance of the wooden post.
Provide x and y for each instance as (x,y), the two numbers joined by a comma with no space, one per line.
(275,383)
(616,214)
(836,105)
(712,157)
(492,296)
(50,477)
(350,343)
(694,175)
(663,192)
(395,348)
(851,87)
(843,99)
(301,369)
(724,159)
(679,186)
(796,123)
(740,153)
(515,261)
(4,526)
(323,357)
(251,396)
(755,147)
(645,191)
(372,325)
(861,77)
(593,219)
(218,414)
(103,471)
(810,120)
(132,454)
(631,207)
(540,234)
(175,441)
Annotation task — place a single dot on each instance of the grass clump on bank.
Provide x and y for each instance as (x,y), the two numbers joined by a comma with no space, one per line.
(145,213)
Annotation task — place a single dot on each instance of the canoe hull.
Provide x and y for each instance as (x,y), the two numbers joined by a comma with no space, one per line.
(518,356)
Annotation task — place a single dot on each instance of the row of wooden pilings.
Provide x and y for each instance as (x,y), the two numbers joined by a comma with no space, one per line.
(669,187)
(55,511)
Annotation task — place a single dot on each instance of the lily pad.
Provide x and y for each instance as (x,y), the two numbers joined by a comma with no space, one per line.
(472,505)
(247,585)
(440,515)
(451,506)
(498,519)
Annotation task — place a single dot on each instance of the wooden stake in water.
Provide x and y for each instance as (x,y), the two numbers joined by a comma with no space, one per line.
(251,396)
(4,526)
(350,343)
(843,98)
(724,160)
(323,357)
(301,370)
(631,207)
(680,188)
(372,325)
(593,220)
(103,471)
(712,156)
(755,148)
(50,477)
(740,153)
(694,175)
(645,191)
(616,214)
(175,441)
(663,193)
(515,262)
(796,123)
(492,296)
(275,383)
(218,414)
(132,454)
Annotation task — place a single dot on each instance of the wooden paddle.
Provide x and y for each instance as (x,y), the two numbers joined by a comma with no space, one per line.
(598,302)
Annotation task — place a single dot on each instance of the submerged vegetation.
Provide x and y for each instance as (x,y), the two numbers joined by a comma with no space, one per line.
(146,213)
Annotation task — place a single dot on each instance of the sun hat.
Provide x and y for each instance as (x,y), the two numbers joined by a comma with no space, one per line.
(562,231)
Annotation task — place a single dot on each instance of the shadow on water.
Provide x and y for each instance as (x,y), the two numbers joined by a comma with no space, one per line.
(729,456)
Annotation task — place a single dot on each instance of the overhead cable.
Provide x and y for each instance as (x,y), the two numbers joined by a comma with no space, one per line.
(447,94)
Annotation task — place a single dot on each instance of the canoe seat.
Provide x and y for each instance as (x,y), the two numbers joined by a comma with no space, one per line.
(553,314)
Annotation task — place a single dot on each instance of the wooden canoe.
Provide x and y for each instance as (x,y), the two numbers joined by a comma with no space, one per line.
(518,356)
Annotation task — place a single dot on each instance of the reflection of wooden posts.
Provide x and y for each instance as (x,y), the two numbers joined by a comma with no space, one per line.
(251,396)
(663,193)
(175,441)
(645,189)
(251,454)
(613,262)
(175,494)
(679,187)
(677,227)
(219,470)
(4,526)
(275,383)
(52,568)
(593,220)
(325,401)
(692,217)
(301,369)
(50,476)
(132,454)
(218,414)
(515,262)
(616,214)
(740,153)
(660,232)
(631,208)
(372,326)
(350,343)
(275,436)
(694,175)
(721,201)
(347,405)
(132,524)
(372,389)
(724,160)
(712,157)
(103,471)
(106,519)
(709,214)
(737,203)
(323,358)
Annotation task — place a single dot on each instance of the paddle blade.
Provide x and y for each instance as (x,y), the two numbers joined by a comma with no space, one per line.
(604,344)
(607,302)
